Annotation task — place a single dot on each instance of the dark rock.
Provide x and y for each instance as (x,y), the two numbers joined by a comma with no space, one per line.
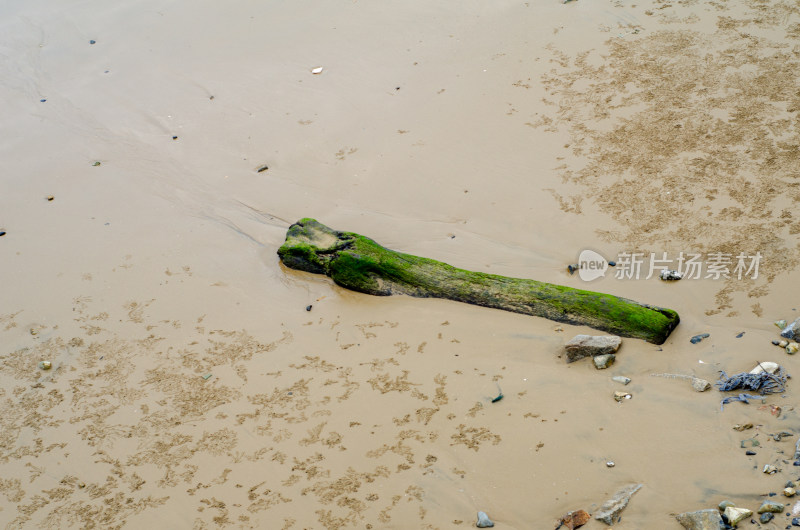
(698,338)
(308,307)
(750,453)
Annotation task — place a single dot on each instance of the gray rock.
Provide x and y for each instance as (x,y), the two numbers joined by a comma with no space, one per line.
(601,362)
(621,379)
(585,345)
(725,504)
(484,521)
(610,510)
(766,517)
(700,385)
(770,507)
(792,331)
(701,520)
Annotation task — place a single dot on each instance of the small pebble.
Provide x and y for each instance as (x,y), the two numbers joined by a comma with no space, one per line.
(174,137)
(45,365)
(789,492)
(698,338)
(96,164)
(766,517)
(610,463)
(621,379)
(740,335)
(42,100)
(262,169)
(50,197)
(750,453)
(2,233)
(572,268)
(207,377)
(725,504)
(769,469)
(308,307)
(776,342)
(484,521)
(783,343)
(795,522)
(92,42)
(792,348)
(612,263)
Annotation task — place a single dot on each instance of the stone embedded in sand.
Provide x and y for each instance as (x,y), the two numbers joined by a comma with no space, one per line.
(484,521)
(700,520)
(737,515)
(770,506)
(792,331)
(700,385)
(610,510)
(574,519)
(601,362)
(581,346)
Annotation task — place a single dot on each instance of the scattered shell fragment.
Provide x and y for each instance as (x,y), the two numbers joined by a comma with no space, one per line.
(780,323)
(207,377)
(619,396)
(742,426)
(316,70)
(34,331)
(45,365)
(610,463)
(621,379)
(769,469)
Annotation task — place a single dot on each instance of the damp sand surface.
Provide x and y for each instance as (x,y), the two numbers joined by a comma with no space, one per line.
(189,386)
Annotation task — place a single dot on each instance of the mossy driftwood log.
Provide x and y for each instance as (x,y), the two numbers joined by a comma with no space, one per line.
(359,263)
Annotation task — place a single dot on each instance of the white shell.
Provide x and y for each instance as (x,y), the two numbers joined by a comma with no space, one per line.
(316,70)
(45,365)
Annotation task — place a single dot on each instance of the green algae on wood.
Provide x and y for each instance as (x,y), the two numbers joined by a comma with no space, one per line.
(359,263)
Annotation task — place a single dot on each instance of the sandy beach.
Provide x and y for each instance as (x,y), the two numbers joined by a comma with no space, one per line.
(156,153)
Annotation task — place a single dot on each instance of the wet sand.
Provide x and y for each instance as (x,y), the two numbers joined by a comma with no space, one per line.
(189,386)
